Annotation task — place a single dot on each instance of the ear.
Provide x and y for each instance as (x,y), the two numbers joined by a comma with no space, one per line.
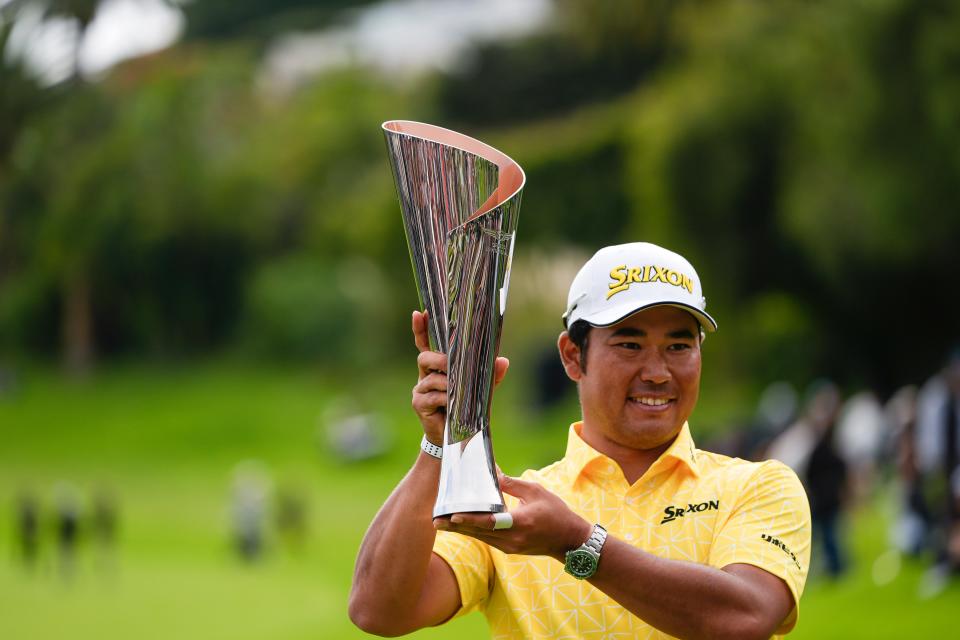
(569,356)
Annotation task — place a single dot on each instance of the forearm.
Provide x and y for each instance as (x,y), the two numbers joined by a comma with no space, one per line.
(394,558)
(684,599)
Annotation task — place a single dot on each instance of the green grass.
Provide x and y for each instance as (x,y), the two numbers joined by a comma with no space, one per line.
(166,441)
(864,606)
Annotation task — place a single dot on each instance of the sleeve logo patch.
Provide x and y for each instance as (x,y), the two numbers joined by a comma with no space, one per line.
(777,542)
(672,512)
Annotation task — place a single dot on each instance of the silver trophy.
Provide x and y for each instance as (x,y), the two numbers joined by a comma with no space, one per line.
(460,200)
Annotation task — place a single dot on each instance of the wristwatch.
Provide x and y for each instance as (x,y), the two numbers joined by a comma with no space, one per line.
(582,562)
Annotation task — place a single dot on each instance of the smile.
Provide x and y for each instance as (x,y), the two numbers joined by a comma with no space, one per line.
(651,402)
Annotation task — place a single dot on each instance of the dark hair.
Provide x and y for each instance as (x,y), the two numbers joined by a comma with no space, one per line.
(578,332)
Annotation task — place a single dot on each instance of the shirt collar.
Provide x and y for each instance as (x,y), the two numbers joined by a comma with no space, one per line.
(580,454)
(682,450)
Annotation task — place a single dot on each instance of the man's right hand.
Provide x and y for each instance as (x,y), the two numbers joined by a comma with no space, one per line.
(430,392)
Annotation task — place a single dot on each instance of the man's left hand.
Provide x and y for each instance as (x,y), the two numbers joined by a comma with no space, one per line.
(543,524)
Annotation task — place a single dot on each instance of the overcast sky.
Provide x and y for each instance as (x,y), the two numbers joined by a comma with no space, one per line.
(120,30)
(397,36)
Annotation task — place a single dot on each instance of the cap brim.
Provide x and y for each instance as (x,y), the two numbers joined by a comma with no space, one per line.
(616,314)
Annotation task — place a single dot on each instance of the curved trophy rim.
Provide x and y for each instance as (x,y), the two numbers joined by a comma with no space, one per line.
(463,142)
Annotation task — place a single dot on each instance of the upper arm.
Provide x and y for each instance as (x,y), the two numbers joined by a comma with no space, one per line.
(768,531)
(440,598)
(775,606)
(458,578)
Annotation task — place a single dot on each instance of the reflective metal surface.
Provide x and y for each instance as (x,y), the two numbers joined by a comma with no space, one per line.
(460,200)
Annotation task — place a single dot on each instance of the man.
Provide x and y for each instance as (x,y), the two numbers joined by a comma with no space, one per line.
(938,460)
(635,532)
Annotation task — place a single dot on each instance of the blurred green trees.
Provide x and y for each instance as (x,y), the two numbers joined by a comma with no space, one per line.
(805,156)
(802,151)
(257,20)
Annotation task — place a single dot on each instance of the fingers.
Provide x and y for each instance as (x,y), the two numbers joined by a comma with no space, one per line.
(500,370)
(518,488)
(428,404)
(502,520)
(468,523)
(482,527)
(430,394)
(421,336)
(431,362)
(432,381)
(542,524)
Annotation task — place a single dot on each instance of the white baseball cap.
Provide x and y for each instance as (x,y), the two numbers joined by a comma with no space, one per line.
(621,280)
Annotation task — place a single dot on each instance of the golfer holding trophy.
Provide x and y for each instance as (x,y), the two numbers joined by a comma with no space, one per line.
(635,532)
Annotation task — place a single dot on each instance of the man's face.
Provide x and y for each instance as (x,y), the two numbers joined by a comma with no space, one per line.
(642,377)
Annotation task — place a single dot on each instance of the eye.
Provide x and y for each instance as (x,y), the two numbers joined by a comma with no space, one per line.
(633,346)
(679,346)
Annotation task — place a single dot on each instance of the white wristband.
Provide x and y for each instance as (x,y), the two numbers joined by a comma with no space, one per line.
(431,449)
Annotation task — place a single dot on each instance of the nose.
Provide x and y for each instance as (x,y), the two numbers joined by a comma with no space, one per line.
(653,368)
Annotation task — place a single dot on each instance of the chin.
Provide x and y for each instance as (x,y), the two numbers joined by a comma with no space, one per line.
(654,435)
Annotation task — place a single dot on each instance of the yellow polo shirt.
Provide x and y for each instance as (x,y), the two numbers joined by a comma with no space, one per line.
(690,505)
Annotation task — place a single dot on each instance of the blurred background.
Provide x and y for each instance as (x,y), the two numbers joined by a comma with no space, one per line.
(205,290)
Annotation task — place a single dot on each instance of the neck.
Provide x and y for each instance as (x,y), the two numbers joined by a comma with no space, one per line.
(633,462)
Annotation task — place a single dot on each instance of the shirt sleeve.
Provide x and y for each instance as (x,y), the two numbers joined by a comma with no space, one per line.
(471,564)
(769,528)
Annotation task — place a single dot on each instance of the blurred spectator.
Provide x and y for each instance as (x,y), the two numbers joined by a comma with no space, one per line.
(552,384)
(826,479)
(776,410)
(28,529)
(67,529)
(103,526)
(251,490)
(912,524)
(354,436)
(291,519)
(861,431)
(777,406)
(795,444)
(938,455)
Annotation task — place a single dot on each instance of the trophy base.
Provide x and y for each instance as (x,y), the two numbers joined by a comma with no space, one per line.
(468,477)
(467,507)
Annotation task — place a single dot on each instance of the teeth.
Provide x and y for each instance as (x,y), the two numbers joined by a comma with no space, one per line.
(653,402)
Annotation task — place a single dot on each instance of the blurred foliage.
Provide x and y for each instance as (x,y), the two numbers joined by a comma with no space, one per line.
(306,309)
(259,20)
(595,52)
(802,149)
(20,97)
(804,155)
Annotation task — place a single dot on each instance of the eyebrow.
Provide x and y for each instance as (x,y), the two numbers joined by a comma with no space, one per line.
(640,333)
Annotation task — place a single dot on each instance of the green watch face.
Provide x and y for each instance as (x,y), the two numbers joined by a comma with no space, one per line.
(580,564)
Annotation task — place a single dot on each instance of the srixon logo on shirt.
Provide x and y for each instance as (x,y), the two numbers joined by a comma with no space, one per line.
(673,512)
